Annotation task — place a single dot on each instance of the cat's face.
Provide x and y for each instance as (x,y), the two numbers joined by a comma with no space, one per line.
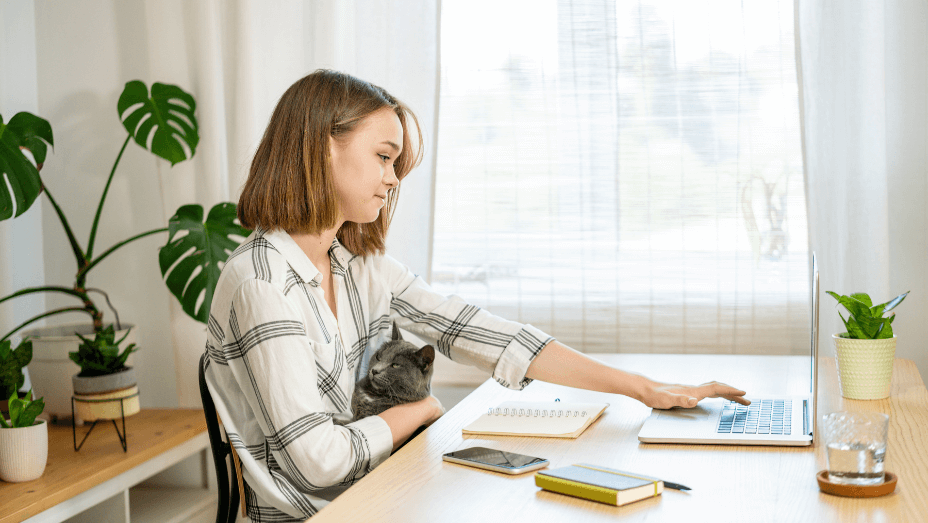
(400,368)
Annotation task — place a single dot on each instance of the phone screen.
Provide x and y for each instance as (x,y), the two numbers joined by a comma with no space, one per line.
(495,457)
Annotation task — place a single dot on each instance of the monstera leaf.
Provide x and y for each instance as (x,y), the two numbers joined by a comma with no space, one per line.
(195,252)
(162,123)
(28,131)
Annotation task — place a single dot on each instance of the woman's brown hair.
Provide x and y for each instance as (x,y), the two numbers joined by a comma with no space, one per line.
(290,184)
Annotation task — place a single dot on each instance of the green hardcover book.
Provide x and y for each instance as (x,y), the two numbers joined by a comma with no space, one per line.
(615,487)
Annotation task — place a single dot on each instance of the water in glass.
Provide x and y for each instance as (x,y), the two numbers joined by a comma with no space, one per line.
(856,463)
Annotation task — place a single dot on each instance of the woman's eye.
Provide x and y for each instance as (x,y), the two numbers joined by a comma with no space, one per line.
(384,157)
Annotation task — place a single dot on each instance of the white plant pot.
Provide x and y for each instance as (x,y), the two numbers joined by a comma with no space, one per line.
(23,452)
(51,369)
(865,367)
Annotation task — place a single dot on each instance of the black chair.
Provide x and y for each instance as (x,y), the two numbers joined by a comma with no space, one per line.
(228,494)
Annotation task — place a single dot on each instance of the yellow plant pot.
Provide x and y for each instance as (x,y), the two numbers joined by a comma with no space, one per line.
(91,407)
(865,367)
(51,369)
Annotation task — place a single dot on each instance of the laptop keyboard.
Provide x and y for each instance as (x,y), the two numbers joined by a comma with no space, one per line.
(760,417)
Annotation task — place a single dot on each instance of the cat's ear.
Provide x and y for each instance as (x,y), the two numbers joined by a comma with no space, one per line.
(427,354)
(396,333)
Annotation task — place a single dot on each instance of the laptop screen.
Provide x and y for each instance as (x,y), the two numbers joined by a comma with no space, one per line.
(814,349)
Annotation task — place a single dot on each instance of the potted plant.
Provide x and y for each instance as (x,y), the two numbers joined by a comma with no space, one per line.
(104,376)
(865,352)
(164,123)
(23,440)
(12,362)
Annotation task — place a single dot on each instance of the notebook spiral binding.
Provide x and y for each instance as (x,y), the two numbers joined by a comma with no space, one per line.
(553,413)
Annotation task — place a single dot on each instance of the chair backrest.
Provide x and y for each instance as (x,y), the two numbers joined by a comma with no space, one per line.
(228,494)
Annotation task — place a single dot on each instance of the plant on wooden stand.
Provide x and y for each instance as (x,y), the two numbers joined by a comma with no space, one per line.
(865,352)
(23,440)
(165,124)
(104,376)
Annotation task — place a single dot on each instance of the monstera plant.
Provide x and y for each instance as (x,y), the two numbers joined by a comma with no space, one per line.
(164,123)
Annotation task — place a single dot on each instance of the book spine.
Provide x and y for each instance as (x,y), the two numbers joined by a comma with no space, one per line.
(578,490)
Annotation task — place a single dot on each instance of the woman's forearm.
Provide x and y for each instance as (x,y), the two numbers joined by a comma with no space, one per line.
(559,364)
(404,419)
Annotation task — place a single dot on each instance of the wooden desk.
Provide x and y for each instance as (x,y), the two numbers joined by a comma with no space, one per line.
(75,481)
(730,483)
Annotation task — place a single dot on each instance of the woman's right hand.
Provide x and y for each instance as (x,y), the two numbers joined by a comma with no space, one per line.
(406,418)
(437,410)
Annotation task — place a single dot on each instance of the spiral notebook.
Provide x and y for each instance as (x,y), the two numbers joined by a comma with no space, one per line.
(540,419)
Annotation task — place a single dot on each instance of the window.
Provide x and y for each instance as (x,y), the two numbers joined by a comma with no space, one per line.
(626,176)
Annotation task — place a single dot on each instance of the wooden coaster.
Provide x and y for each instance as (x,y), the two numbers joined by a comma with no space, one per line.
(856,491)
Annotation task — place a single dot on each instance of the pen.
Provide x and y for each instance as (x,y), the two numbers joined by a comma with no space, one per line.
(676,486)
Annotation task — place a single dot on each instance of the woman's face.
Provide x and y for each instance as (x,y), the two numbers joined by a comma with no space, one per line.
(362,165)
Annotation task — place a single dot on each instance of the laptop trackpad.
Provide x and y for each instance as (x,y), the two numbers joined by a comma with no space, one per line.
(676,423)
(696,414)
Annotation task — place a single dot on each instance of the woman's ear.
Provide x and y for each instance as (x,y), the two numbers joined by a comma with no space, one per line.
(396,333)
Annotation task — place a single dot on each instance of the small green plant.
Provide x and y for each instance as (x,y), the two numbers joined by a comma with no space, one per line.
(22,411)
(866,321)
(12,362)
(101,356)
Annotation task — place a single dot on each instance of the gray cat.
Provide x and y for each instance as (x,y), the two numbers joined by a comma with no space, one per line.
(399,373)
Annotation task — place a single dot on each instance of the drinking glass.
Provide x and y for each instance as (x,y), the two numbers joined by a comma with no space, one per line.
(855,445)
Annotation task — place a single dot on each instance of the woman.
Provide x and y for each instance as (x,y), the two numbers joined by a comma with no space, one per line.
(302,304)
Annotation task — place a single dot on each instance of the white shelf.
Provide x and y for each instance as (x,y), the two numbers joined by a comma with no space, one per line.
(172,504)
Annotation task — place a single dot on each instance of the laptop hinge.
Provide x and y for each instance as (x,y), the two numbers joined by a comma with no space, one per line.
(805,418)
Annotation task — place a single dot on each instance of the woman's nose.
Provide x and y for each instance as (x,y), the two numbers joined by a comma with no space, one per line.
(390,179)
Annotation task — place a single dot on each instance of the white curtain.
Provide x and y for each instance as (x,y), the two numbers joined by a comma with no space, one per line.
(625,174)
(237,58)
(865,101)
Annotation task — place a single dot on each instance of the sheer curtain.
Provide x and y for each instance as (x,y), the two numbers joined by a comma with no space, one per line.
(626,175)
(865,101)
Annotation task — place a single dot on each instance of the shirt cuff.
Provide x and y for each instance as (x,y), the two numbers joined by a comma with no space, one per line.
(518,355)
(379,438)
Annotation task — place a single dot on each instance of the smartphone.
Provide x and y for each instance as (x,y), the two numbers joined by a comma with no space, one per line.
(496,460)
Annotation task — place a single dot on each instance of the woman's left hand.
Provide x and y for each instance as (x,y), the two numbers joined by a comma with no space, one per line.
(665,396)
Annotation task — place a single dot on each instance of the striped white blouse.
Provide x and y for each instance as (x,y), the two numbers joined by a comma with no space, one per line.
(281,366)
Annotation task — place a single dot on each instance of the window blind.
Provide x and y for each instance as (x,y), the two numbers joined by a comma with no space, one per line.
(625,175)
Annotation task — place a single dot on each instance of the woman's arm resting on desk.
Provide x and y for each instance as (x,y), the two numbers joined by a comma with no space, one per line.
(404,419)
(559,364)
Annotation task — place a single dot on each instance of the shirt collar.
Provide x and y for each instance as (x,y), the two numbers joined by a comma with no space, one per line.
(298,260)
(341,255)
(294,255)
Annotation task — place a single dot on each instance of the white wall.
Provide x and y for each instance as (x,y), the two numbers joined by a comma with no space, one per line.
(21,251)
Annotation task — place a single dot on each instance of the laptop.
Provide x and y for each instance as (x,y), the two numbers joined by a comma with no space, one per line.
(781,420)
